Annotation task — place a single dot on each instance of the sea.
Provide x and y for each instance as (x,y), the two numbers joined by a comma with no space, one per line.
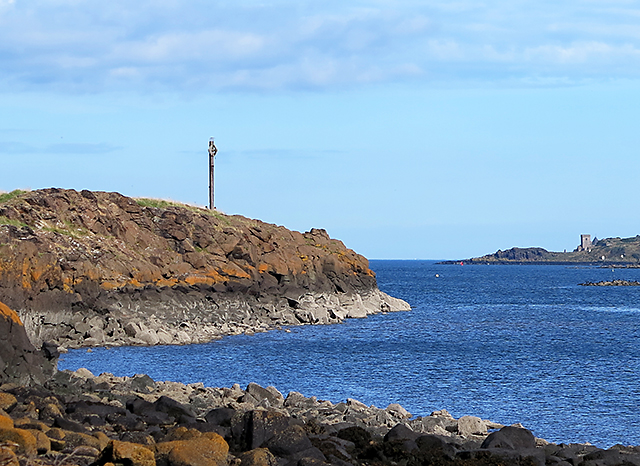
(508,343)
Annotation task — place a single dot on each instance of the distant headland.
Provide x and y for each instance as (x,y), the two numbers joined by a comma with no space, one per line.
(620,252)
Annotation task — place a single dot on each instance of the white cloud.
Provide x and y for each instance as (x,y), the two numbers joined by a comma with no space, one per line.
(196,44)
(582,53)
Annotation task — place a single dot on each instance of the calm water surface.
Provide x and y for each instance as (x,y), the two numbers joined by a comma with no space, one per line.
(507,343)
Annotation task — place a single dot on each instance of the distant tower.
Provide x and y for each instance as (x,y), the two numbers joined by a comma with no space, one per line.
(213,150)
(585,243)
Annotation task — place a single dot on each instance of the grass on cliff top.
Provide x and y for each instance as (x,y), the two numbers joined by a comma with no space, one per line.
(157,203)
(4,197)
(163,204)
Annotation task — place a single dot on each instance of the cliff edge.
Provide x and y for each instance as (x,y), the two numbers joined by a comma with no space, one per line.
(95,268)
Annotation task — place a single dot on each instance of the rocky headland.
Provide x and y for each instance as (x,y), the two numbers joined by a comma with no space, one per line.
(95,268)
(616,252)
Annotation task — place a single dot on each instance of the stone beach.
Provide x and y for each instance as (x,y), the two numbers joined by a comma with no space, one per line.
(79,418)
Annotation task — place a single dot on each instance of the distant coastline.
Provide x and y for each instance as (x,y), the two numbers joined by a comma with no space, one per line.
(608,252)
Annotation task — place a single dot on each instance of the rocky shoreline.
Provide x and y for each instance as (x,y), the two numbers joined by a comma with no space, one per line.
(169,317)
(77,418)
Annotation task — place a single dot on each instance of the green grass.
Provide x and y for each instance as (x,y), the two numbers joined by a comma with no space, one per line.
(162,204)
(157,203)
(8,221)
(69,229)
(4,197)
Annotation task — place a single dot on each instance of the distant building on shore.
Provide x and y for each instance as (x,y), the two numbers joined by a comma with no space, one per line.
(585,243)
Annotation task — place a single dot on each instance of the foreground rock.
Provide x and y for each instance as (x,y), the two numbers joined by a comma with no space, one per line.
(20,362)
(93,268)
(77,418)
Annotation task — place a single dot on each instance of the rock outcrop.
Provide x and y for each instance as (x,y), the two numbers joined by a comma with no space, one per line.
(612,283)
(20,362)
(93,268)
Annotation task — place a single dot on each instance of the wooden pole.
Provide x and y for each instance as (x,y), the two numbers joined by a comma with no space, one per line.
(213,150)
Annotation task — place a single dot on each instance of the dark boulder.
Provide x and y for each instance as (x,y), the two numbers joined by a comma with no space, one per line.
(69,425)
(435,446)
(182,413)
(510,438)
(401,432)
(289,441)
(220,416)
(359,436)
(260,394)
(255,428)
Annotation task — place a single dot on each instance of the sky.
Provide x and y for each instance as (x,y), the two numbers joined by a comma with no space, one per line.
(407,129)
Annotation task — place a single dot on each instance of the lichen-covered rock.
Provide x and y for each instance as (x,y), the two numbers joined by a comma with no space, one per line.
(258,457)
(25,442)
(6,422)
(7,401)
(209,449)
(94,268)
(126,454)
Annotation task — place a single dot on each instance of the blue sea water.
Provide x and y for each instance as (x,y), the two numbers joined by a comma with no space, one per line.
(506,343)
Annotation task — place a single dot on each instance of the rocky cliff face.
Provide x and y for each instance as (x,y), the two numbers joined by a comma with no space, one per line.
(20,362)
(90,268)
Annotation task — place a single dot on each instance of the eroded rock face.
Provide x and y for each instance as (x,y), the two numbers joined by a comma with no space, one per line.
(20,362)
(93,268)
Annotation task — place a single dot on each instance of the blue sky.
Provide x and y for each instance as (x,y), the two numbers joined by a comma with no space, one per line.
(407,129)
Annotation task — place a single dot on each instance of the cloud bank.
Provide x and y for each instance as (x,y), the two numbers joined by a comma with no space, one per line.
(83,46)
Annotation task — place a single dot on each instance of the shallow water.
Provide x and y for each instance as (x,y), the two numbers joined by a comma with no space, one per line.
(507,343)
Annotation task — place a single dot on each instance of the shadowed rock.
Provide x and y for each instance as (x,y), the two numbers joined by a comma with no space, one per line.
(20,362)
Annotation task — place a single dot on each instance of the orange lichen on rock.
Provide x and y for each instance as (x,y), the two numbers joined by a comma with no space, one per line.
(26,283)
(25,441)
(9,314)
(210,449)
(199,280)
(162,282)
(110,285)
(118,452)
(233,270)
(98,240)
(6,422)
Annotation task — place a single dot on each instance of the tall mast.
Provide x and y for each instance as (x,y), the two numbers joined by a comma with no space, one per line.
(213,150)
